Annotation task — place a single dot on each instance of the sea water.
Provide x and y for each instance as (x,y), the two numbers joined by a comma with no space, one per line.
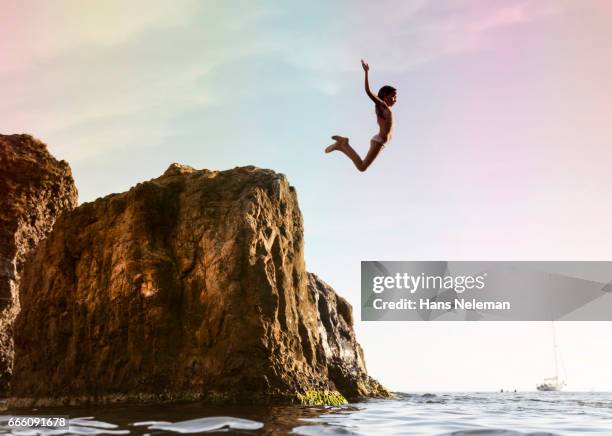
(467,413)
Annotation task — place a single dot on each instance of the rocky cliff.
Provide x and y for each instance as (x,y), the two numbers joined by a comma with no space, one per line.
(191,285)
(34,189)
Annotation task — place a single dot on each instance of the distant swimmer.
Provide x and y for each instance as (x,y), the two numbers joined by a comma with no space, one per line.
(387,96)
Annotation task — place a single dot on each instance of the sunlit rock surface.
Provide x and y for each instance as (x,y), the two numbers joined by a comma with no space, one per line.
(188,286)
(34,189)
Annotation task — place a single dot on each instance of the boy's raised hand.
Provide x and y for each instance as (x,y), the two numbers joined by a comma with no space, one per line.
(365,66)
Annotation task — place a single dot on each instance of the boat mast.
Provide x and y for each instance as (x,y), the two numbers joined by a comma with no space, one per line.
(555,349)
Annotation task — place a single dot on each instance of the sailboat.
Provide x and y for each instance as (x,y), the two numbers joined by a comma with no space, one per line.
(553,383)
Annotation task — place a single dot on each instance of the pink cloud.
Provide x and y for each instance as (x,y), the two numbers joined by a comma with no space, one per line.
(403,36)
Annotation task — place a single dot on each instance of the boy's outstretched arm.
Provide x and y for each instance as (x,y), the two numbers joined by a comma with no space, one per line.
(368,91)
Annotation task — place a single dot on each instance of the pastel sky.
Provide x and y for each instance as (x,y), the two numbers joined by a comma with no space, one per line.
(502,148)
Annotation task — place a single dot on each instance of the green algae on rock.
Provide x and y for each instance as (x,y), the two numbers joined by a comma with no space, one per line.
(321,398)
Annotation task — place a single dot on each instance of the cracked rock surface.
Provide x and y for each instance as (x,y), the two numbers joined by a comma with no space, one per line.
(34,189)
(188,286)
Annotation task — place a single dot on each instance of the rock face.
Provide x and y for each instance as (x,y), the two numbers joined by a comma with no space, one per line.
(191,285)
(34,189)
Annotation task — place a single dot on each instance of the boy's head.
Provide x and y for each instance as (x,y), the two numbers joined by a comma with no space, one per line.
(388,94)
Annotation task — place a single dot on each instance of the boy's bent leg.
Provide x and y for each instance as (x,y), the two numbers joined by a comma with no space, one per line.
(342,145)
(352,155)
(375,148)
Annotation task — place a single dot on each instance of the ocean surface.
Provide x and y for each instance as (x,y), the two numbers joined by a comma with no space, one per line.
(469,413)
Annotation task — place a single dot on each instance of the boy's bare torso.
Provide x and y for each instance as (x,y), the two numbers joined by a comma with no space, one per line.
(385,124)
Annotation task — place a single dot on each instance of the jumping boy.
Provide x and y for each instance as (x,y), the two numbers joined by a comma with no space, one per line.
(387,96)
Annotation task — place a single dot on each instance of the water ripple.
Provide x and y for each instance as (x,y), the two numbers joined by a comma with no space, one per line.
(434,414)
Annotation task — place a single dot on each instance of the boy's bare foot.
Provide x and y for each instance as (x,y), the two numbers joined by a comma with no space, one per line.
(332,147)
(340,141)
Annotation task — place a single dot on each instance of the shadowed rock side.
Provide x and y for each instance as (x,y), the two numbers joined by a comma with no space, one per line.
(34,189)
(343,356)
(188,286)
